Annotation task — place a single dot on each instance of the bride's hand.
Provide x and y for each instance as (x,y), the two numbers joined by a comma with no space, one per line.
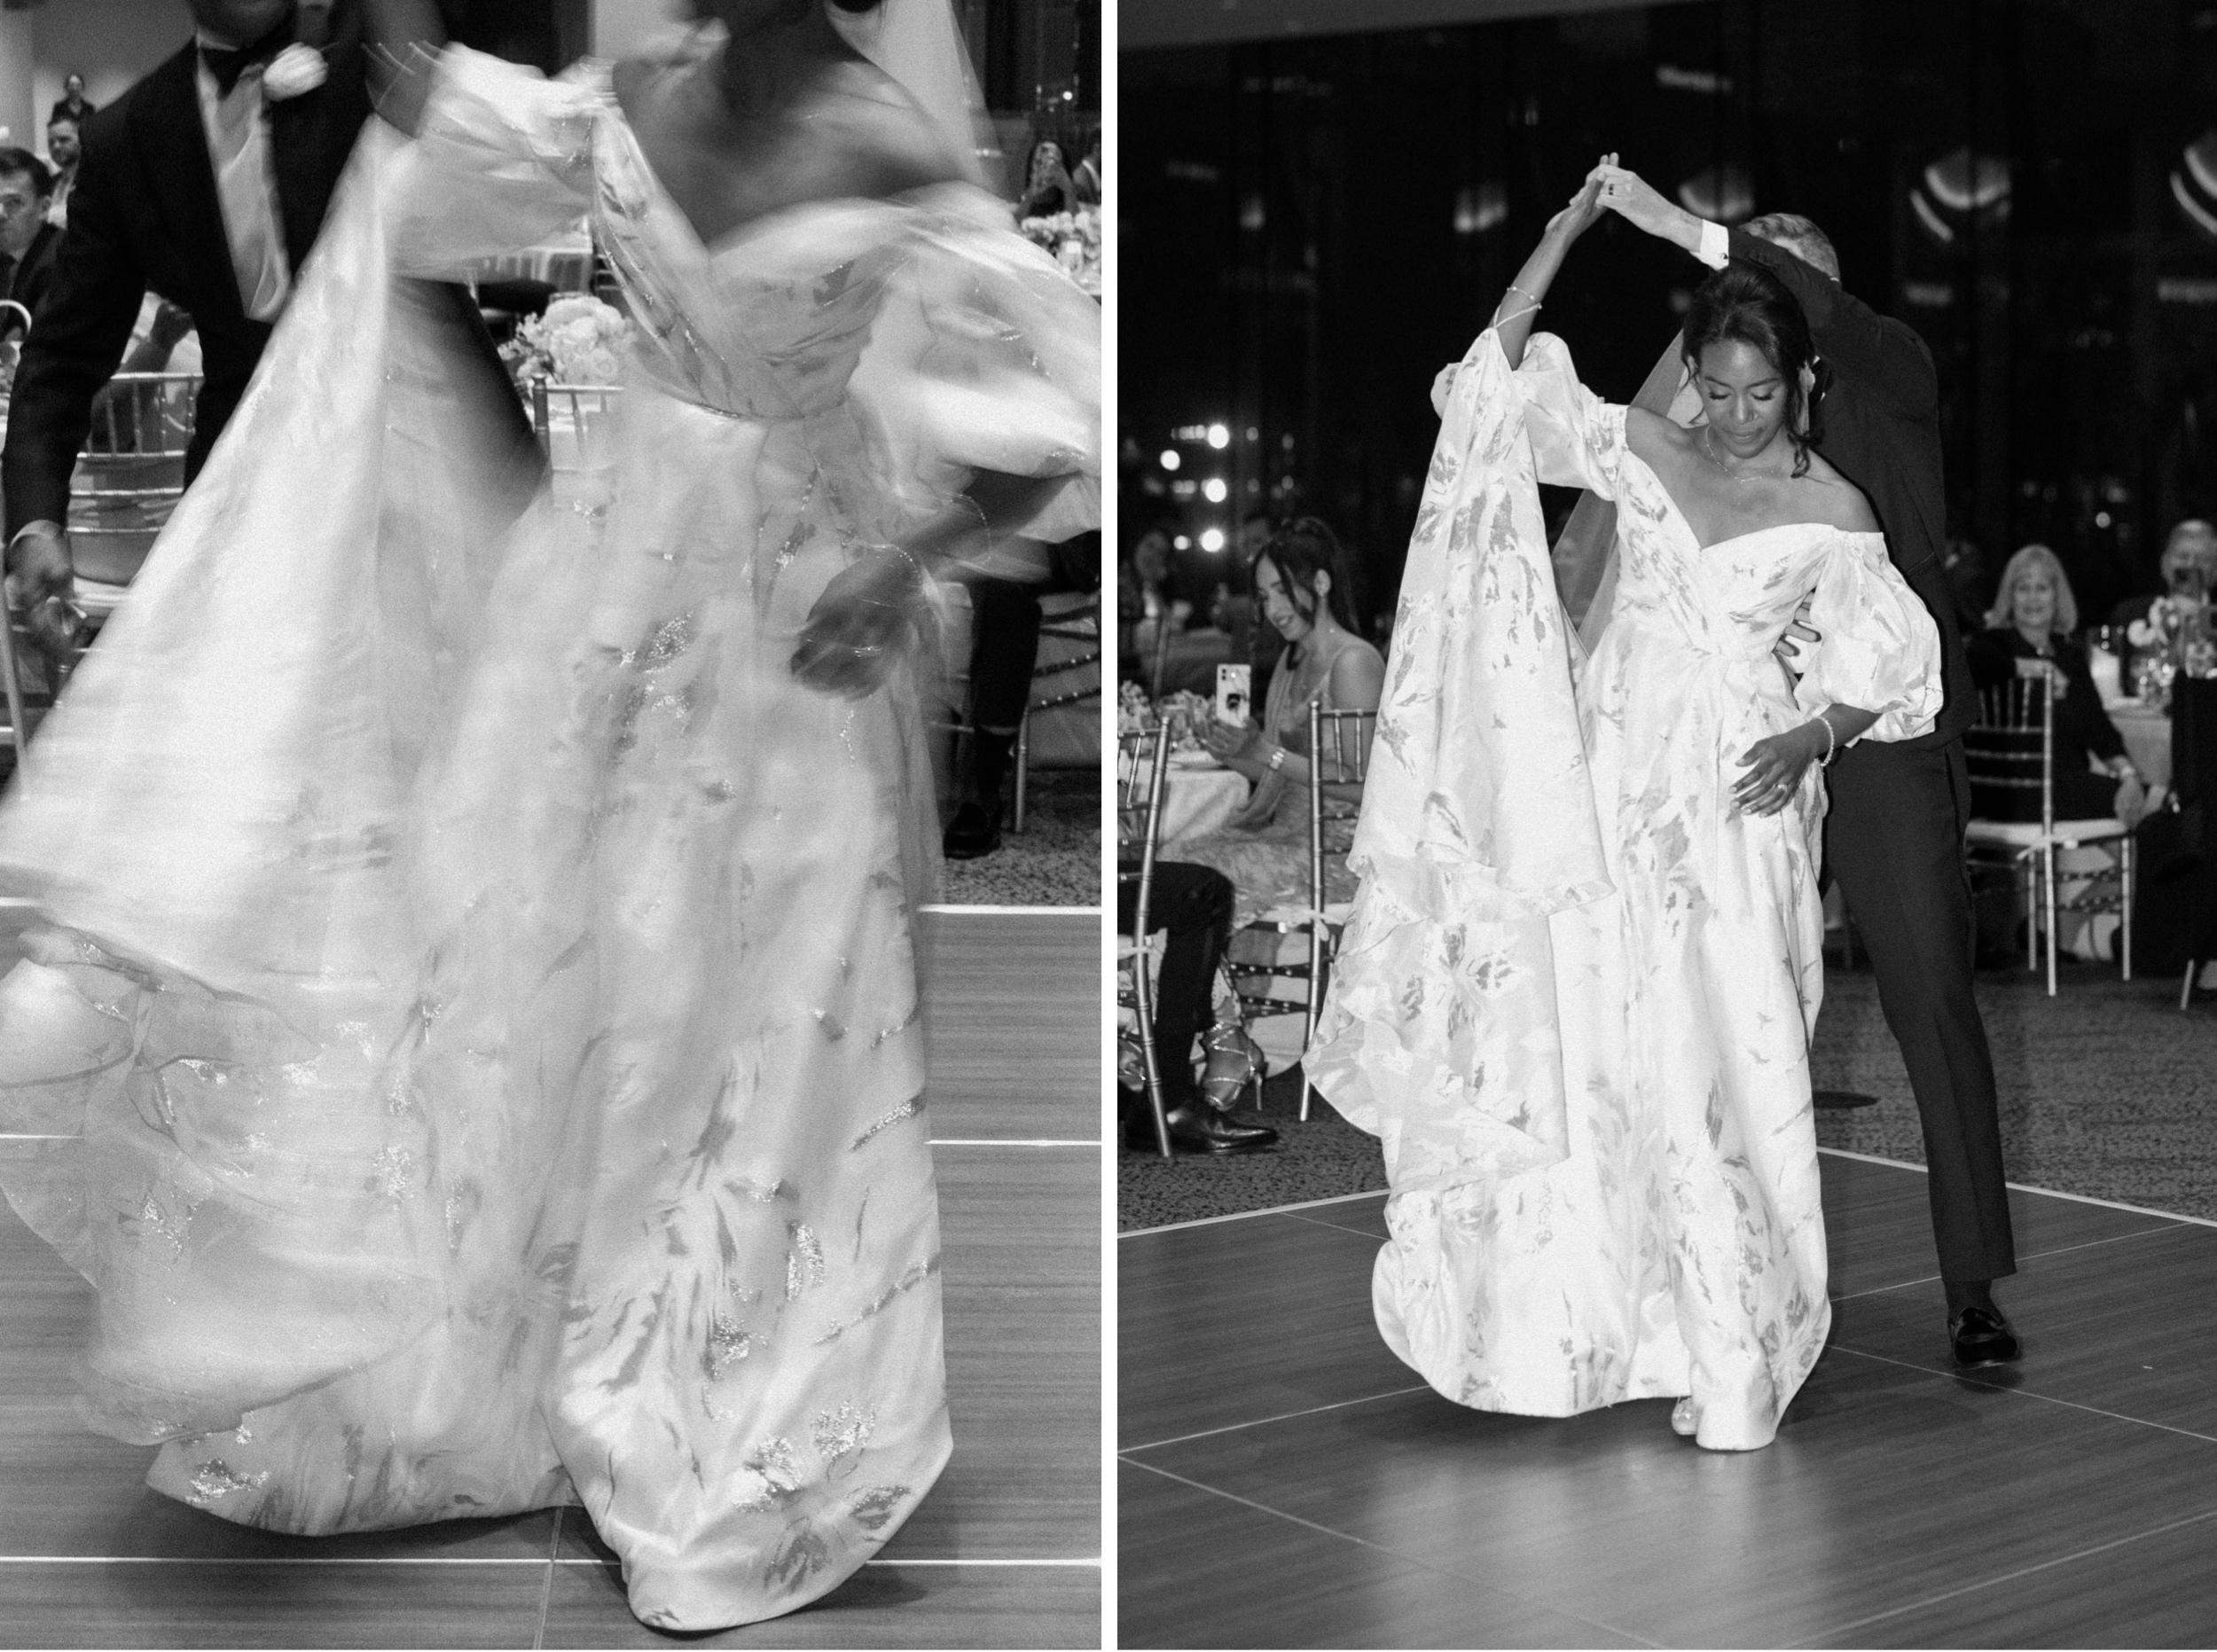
(1775,767)
(1634,199)
(1585,207)
(861,625)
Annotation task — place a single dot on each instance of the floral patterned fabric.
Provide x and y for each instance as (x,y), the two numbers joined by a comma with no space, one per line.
(1577,992)
(478,1021)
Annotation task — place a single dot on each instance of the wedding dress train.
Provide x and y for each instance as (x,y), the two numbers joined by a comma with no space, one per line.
(477,1014)
(1576,993)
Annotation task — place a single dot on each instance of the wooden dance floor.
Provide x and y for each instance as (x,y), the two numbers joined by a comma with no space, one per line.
(1286,1482)
(1006,1552)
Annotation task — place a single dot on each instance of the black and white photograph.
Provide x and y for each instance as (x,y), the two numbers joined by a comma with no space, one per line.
(551,846)
(1665,1085)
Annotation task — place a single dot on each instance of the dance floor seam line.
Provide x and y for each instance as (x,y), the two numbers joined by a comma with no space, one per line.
(2051,1193)
(1242,1215)
(2037,1567)
(1286,1416)
(2023,1257)
(2021,1392)
(1014,912)
(1091,1561)
(546,1584)
(1433,1566)
(1340,1227)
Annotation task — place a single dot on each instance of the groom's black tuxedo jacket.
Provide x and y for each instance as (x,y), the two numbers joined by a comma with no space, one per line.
(144,215)
(1878,416)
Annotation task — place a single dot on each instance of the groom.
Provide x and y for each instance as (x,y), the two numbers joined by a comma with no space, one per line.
(206,183)
(1893,836)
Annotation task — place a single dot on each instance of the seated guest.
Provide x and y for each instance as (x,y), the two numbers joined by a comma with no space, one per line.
(2190,568)
(61,154)
(27,241)
(1086,177)
(2029,633)
(1047,186)
(1159,610)
(62,150)
(1191,906)
(1005,620)
(1304,581)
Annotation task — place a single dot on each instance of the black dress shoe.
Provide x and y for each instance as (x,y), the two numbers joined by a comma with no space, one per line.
(1981,1336)
(1199,1128)
(974,831)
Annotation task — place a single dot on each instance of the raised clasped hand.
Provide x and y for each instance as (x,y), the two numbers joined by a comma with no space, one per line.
(1633,198)
(861,625)
(1775,767)
(1583,208)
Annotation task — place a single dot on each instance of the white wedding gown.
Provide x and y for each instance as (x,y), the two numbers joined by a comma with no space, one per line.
(1576,993)
(478,1010)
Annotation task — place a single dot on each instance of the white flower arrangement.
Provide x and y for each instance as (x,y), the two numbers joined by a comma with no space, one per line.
(578,341)
(1074,237)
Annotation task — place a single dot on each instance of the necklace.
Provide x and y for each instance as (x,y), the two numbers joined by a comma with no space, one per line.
(1741,477)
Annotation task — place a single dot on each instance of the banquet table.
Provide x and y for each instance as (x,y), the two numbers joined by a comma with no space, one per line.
(1199,796)
(2147,733)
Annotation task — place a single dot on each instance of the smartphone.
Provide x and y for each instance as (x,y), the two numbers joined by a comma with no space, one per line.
(1233,693)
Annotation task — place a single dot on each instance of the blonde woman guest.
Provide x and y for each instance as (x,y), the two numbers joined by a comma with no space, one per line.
(2029,631)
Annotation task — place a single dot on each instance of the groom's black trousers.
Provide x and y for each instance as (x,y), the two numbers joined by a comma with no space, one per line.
(1894,839)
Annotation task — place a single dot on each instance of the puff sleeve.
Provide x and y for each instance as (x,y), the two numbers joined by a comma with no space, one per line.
(985,355)
(1878,649)
(1577,440)
(503,161)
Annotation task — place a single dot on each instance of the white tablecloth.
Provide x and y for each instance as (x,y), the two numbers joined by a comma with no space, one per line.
(1198,800)
(2147,735)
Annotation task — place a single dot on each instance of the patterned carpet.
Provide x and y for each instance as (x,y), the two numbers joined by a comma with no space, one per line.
(2107,1089)
(1055,861)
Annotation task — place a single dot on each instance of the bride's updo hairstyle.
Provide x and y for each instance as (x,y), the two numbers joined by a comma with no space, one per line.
(1746,302)
(1300,551)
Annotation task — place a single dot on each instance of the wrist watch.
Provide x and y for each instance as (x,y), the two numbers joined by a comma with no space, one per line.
(1277,759)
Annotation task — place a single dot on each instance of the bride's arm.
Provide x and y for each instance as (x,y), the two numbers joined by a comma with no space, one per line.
(1513,316)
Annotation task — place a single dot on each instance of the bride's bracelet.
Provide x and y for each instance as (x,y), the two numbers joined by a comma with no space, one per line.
(1831,740)
(1500,321)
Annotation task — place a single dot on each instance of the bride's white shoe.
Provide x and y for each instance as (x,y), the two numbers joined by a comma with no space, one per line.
(1684,1420)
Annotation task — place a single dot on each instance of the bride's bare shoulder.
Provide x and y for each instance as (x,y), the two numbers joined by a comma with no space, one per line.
(1839,501)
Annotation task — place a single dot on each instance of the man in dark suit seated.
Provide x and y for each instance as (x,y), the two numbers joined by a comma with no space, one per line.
(2189,572)
(1190,906)
(27,239)
(205,183)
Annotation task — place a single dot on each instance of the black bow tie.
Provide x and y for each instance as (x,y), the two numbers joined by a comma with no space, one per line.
(227,64)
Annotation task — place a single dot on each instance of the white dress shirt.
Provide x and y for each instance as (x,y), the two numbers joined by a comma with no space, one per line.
(1716,245)
(246,186)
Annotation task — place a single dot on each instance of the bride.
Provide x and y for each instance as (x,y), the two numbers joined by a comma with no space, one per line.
(1577,989)
(476,1017)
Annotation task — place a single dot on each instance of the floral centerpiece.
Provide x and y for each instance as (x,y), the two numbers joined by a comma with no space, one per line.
(578,341)
(1074,238)
(2177,639)
(1183,713)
